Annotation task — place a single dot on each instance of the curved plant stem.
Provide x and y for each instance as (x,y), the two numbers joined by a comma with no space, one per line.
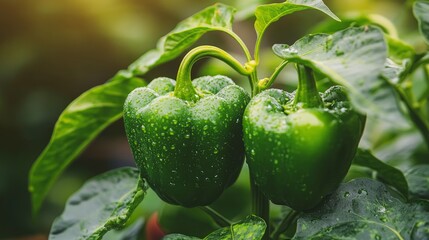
(240,42)
(253,78)
(269,81)
(284,224)
(217,217)
(414,114)
(184,89)
(415,117)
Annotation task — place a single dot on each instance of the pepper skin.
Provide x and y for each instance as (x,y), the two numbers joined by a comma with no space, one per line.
(188,151)
(300,146)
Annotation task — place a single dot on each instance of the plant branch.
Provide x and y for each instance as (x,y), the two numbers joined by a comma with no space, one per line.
(217,217)
(260,207)
(415,116)
(284,224)
(267,82)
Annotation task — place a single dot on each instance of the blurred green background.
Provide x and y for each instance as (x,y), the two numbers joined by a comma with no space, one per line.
(52,51)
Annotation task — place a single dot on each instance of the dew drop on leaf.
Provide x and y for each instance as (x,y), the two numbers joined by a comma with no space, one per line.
(252,152)
(362,191)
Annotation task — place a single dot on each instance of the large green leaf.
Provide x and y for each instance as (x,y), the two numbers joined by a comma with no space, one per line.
(386,173)
(418,179)
(102,204)
(252,227)
(270,13)
(217,17)
(354,58)
(365,209)
(421,10)
(76,127)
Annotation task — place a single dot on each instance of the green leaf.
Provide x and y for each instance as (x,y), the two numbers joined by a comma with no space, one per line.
(177,236)
(217,17)
(76,127)
(357,20)
(252,227)
(386,173)
(421,59)
(421,10)
(270,13)
(418,180)
(400,51)
(365,209)
(395,74)
(353,58)
(103,203)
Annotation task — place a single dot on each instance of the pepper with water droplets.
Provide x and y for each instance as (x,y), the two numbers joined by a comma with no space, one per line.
(300,146)
(188,147)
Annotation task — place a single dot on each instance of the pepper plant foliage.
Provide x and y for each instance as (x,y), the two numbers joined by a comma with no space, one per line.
(172,127)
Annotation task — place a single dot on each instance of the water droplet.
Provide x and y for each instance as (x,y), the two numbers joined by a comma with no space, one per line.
(362,191)
(216,151)
(276,161)
(172,147)
(205,127)
(290,51)
(187,136)
(171,132)
(346,194)
(253,152)
(143,128)
(174,121)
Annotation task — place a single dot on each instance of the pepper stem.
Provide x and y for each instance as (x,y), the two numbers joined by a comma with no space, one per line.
(260,207)
(184,89)
(306,95)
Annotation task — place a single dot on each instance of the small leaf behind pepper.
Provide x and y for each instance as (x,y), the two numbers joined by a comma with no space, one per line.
(418,179)
(252,227)
(386,173)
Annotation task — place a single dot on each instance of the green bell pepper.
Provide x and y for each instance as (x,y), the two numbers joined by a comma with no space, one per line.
(187,143)
(300,146)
